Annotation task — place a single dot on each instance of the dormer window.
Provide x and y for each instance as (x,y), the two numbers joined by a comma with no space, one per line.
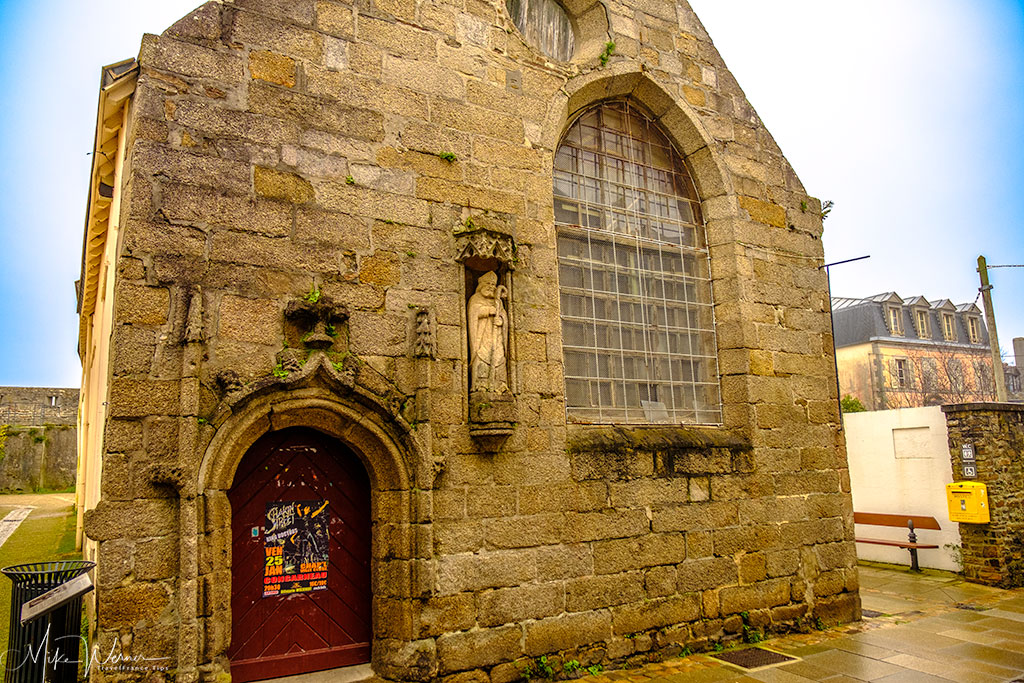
(948,327)
(922,324)
(895,320)
(974,329)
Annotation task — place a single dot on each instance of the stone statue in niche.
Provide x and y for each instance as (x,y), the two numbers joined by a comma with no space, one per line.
(488,336)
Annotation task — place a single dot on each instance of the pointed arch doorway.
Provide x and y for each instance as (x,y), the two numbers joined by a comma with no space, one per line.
(301,547)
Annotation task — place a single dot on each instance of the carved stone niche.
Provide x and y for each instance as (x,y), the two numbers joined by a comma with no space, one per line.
(313,323)
(488,257)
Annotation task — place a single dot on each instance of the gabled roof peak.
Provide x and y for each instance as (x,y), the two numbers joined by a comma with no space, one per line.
(968,308)
(886,298)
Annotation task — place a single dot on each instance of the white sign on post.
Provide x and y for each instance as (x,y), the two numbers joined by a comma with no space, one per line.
(59,596)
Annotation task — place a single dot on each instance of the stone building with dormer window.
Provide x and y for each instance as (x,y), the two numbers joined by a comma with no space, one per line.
(904,353)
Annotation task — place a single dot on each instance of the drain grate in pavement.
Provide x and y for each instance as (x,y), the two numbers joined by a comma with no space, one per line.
(753,658)
(870,613)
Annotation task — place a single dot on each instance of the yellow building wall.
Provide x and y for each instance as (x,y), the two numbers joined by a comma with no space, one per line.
(933,375)
(92,411)
(854,365)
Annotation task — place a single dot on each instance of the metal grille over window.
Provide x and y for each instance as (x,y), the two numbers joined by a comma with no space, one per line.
(638,337)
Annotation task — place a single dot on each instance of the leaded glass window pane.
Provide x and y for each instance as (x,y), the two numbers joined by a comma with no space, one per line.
(638,336)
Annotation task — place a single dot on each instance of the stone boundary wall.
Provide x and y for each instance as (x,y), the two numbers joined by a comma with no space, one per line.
(34,458)
(993,553)
(38,405)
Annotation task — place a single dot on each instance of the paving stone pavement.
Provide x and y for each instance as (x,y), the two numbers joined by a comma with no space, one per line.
(933,626)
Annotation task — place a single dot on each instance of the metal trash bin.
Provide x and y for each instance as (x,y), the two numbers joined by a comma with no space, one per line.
(26,645)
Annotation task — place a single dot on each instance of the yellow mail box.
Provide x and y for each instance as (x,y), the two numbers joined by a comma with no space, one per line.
(968,502)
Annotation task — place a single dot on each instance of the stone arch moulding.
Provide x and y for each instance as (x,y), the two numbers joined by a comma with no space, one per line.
(384,452)
(675,116)
(387,456)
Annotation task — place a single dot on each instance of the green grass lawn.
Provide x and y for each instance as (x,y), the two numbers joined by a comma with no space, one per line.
(39,539)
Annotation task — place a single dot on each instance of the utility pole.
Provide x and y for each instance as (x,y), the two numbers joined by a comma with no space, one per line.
(993,338)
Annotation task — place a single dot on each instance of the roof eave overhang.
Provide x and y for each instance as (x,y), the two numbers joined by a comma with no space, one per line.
(117,84)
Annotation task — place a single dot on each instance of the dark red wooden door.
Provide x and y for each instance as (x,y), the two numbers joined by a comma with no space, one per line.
(281,635)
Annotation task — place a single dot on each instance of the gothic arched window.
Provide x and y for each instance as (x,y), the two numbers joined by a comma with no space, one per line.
(638,337)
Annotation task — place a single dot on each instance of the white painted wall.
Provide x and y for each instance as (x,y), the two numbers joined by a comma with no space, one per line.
(899,464)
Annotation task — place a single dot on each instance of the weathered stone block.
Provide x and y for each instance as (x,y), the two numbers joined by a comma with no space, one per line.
(704,574)
(459,536)
(447,613)
(258,321)
(134,519)
(524,532)
(485,570)
(361,124)
(640,552)
(335,18)
(139,398)
(475,649)
(655,613)
(567,631)
(143,305)
(193,169)
(254,29)
(299,12)
(596,592)
(116,562)
(712,515)
(564,561)
(188,59)
(124,607)
(608,524)
(771,593)
(513,605)
(288,187)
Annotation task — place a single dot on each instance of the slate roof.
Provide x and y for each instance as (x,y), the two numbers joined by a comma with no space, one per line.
(857,321)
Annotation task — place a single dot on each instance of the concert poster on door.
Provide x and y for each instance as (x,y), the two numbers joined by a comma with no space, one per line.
(295,542)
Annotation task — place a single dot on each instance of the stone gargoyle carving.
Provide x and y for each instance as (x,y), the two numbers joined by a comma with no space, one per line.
(320,318)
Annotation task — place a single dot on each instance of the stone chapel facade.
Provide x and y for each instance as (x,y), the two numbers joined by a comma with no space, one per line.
(446,335)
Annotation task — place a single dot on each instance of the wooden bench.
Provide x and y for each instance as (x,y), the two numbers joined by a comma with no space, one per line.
(909,521)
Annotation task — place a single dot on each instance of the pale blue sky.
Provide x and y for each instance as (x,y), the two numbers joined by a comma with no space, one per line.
(908,114)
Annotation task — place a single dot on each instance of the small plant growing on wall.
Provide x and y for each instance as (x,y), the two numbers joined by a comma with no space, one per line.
(609,50)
